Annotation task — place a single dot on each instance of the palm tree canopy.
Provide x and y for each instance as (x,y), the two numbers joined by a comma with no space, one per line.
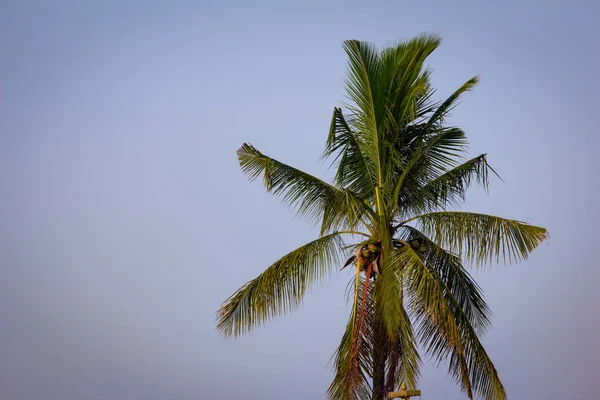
(400,172)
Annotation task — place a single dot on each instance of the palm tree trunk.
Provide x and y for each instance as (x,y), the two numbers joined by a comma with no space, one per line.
(379,359)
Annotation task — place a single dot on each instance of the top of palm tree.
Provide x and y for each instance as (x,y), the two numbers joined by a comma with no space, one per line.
(400,170)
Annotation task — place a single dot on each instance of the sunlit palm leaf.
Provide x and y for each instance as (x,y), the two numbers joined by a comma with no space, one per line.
(281,287)
(480,238)
(454,276)
(406,82)
(388,286)
(444,329)
(369,104)
(444,109)
(403,359)
(311,197)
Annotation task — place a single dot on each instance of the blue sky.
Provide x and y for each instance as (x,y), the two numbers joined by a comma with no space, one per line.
(126,220)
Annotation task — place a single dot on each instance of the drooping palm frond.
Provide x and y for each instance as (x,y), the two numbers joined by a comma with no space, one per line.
(388,287)
(480,238)
(444,329)
(450,270)
(354,355)
(311,197)
(404,361)
(281,287)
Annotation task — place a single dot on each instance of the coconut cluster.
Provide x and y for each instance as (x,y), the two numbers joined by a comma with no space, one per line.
(367,255)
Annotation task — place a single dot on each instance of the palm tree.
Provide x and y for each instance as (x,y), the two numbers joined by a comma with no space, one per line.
(400,171)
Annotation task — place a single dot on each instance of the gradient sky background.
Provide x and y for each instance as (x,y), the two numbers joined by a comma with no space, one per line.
(126,220)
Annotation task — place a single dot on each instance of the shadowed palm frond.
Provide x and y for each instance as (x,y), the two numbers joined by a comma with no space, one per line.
(353,357)
(448,189)
(388,286)
(355,172)
(437,154)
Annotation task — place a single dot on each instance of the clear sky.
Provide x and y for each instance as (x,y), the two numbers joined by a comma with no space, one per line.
(125,220)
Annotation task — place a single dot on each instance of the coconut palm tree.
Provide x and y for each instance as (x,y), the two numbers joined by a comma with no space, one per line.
(400,172)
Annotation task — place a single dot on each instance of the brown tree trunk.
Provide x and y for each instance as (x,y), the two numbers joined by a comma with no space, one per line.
(379,359)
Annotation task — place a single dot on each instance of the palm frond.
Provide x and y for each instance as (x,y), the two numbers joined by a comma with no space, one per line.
(435,155)
(444,109)
(404,361)
(309,196)
(354,171)
(404,78)
(455,277)
(447,189)
(443,147)
(281,287)
(481,238)
(388,286)
(353,357)
(444,329)
(368,103)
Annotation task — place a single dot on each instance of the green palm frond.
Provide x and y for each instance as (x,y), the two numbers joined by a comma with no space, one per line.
(438,117)
(404,361)
(444,329)
(442,148)
(389,90)
(481,238)
(436,154)
(311,197)
(448,189)
(281,287)
(454,276)
(369,105)
(405,81)
(354,171)
(388,286)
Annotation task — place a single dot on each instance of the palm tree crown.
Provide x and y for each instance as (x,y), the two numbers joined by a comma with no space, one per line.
(400,169)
